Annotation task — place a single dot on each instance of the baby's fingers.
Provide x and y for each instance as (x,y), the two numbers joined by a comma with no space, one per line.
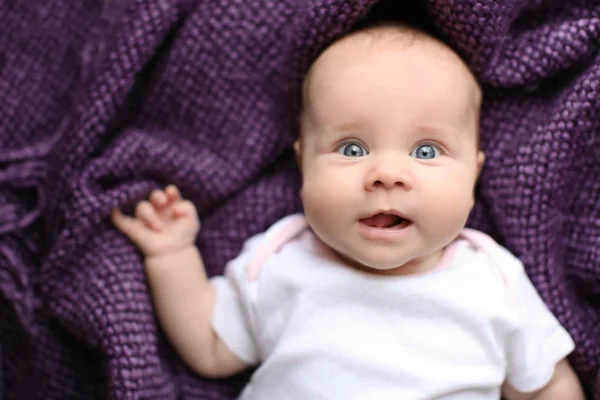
(184,208)
(131,227)
(173,193)
(146,213)
(159,199)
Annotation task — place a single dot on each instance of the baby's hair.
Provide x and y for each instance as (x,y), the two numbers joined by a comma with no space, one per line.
(412,14)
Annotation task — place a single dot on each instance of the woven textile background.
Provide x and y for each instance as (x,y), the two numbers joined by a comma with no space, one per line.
(101,101)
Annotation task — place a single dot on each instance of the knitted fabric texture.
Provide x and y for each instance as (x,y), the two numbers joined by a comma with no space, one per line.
(104,101)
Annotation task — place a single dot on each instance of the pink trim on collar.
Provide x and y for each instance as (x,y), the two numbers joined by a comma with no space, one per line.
(296,225)
(446,259)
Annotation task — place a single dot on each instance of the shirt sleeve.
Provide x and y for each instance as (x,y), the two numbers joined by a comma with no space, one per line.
(233,318)
(537,342)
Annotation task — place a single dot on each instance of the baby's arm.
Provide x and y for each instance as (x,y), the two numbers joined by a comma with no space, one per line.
(164,229)
(564,385)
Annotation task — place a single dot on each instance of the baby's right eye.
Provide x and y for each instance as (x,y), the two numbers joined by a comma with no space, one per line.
(353,149)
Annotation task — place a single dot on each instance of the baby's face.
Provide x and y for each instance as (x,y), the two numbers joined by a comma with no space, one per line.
(388,152)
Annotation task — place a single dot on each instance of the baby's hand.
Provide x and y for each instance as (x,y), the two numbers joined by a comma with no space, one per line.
(163,225)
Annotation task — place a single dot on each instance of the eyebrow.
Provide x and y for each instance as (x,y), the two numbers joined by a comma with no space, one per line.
(439,132)
(344,127)
(433,130)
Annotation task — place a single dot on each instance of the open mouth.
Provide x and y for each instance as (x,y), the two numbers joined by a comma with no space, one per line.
(385,221)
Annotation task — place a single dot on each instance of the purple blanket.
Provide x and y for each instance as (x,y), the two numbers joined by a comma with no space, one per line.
(104,100)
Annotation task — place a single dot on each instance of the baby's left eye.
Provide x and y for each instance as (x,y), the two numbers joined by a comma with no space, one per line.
(425,152)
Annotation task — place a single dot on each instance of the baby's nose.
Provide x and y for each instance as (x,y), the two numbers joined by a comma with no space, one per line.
(388,173)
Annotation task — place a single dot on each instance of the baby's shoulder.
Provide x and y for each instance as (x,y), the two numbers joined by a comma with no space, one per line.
(495,253)
(500,262)
(257,250)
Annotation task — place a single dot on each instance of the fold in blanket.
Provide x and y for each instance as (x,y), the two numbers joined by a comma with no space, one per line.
(104,101)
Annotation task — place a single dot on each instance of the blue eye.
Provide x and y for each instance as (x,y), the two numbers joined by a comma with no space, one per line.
(425,152)
(353,149)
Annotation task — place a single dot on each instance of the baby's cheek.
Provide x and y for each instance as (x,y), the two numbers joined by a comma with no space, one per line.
(317,195)
(327,185)
(451,200)
(454,182)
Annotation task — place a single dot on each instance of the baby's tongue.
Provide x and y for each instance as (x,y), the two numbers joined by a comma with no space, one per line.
(381,220)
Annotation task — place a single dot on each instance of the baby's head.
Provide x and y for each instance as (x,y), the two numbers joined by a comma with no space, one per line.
(389,148)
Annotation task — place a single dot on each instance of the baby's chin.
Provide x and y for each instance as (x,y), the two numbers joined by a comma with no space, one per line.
(388,270)
(376,267)
(394,266)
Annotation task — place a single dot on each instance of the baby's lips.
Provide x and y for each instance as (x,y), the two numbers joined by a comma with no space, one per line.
(382,220)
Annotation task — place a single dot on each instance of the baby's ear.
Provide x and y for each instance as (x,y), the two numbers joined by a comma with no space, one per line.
(480,162)
(298,151)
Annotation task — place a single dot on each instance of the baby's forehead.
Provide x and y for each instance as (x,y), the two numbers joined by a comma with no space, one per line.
(387,38)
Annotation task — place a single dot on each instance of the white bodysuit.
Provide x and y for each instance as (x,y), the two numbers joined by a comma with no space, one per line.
(319,329)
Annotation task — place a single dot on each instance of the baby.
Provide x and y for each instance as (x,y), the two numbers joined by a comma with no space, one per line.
(378,291)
